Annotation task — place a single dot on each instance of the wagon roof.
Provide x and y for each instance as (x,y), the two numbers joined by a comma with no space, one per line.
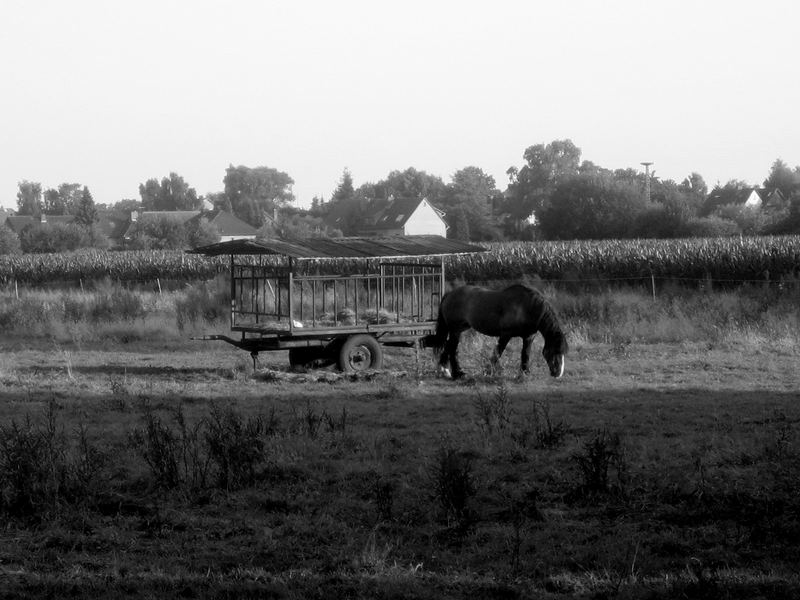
(353,247)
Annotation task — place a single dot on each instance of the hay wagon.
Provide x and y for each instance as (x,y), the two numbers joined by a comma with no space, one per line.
(335,301)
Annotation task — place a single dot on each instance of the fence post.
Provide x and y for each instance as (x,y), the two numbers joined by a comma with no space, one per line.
(158,281)
(16,289)
(653,285)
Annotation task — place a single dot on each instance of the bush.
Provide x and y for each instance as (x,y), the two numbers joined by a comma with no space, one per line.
(182,456)
(711,227)
(9,241)
(235,446)
(206,302)
(113,302)
(160,233)
(40,469)
(56,237)
(453,482)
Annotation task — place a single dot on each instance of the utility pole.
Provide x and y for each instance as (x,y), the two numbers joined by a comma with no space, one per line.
(647,180)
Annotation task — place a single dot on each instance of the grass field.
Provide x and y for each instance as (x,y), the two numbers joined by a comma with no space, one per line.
(664,464)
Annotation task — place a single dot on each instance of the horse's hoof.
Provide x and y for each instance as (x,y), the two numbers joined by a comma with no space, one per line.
(443,372)
(458,375)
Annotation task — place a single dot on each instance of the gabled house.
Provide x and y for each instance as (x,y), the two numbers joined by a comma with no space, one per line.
(230,227)
(406,216)
(773,200)
(19,222)
(743,197)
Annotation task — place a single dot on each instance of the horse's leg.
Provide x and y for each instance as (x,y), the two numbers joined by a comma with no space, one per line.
(451,347)
(498,351)
(443,358)
(526,354)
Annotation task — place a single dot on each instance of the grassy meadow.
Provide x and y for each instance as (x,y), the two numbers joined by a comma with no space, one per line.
(138,462)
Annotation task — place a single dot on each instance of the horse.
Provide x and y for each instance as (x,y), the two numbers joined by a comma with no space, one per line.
(516,311)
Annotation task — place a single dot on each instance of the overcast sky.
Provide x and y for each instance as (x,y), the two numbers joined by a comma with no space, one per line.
(110,94)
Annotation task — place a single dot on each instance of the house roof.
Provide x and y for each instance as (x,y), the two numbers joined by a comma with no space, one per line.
(60,219)
(739,196)
(18,222)
(396,213)
(173,215)
(228,224)
(354,247)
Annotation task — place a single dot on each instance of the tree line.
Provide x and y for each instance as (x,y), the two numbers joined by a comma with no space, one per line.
(552,195)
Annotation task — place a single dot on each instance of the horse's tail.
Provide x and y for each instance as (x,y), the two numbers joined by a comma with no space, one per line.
(440,336)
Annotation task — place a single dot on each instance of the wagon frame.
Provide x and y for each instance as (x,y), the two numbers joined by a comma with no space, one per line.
(283,297)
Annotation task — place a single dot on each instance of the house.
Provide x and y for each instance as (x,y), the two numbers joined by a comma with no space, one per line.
(749,197)
(774,200)
(230,227)
(406,216)
(19,222)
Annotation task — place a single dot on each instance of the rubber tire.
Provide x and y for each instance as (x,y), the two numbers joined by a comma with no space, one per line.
(360,352)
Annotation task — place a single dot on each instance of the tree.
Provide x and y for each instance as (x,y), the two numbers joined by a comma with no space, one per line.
(62,201)
(782,178)
(203,234)
(695,187)
(470,195)
(86,211)
(347,208)
(173,193)
(412,183)
(545,167)
(255,192)
(592,207)
(158,233)
(29,198)
(461,225)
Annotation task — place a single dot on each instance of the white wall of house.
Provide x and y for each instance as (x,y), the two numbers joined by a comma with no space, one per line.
(753,200)
(425,221)
(228,238)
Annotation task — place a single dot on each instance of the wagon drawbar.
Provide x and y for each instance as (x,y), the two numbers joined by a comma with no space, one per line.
(284,295)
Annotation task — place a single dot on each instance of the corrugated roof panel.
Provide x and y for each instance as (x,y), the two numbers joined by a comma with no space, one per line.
(316,248)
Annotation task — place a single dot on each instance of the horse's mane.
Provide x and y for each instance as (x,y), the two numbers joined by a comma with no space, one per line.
(548,325)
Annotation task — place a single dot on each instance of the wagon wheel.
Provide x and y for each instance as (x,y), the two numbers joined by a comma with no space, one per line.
(360,352)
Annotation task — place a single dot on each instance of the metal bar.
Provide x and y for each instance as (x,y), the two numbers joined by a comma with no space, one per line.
(289,297)
(314,303)
(233,293)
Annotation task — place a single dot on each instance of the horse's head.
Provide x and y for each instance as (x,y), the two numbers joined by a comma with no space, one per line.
(555,348)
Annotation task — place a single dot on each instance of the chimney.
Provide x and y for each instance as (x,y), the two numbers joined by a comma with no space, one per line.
(134,216)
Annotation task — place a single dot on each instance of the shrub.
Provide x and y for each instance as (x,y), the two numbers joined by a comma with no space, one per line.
(159,445)
(453,484)
(205,302)
(599,454)
(235,446)
(113,302)
(56,237)
(40,469)
(9,241)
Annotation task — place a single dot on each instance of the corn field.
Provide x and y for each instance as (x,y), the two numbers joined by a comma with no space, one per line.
(725,259)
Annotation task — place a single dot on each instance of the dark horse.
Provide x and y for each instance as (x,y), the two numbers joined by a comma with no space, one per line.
(517,311)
